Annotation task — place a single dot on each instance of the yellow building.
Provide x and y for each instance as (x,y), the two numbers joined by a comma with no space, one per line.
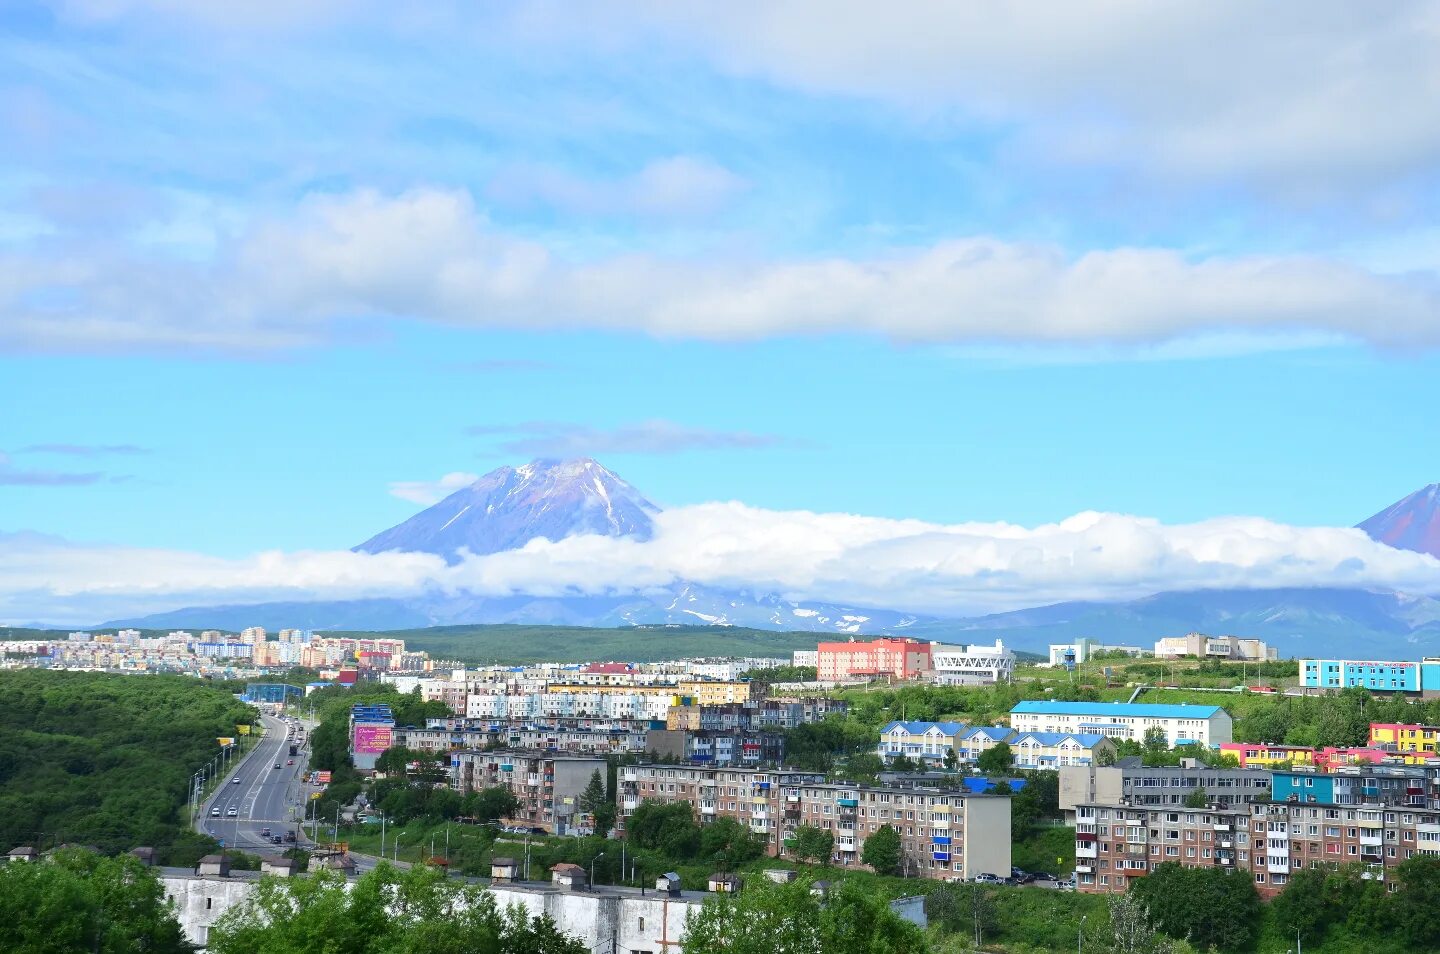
(717,693)
(1401,737)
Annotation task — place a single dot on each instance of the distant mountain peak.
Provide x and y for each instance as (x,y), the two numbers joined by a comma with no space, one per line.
(1409,524)
(510,506)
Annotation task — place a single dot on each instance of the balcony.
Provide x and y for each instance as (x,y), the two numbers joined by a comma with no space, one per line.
(630,804)
(1222,826)
(844,844)
(940,840)
(940,855)
(707,808)
(848,802)
(1084,869)
(1277,865)
(1371,840)
(1086,850)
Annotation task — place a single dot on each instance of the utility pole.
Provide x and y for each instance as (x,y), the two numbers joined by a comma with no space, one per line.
(382,834)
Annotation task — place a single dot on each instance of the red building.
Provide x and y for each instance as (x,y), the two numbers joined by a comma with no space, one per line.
(887,656)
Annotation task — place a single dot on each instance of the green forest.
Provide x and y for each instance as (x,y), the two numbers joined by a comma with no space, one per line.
(105,760)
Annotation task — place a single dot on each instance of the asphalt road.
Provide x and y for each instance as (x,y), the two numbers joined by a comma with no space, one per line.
(264,796)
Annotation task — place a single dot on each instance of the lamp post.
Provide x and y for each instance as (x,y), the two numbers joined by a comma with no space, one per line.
(1080,934)
(592,867)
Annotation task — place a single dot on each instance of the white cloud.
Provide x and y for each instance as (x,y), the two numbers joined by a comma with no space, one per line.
(432,491)
(906,564)
(674,187)
(1320,93)
(342,262)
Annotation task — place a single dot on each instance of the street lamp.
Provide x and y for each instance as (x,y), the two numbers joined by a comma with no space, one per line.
(1080,934)
(592,867)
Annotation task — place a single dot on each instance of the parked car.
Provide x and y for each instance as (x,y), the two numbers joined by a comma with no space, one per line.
(986,877)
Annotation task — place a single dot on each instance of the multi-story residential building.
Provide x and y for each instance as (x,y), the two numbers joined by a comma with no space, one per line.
(1264,755)
(944,834)
(805,657)
(576,736)
(1375,675)
(920,741)
(1052,750)
(1130,782)
(548,787)
(1404,738)
(733,746)
(974,665)
(887,656)
(977,740)
(1200,646)
(1182,724)
(1372,816)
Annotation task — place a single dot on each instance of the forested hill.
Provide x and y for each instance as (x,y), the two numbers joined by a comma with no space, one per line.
(105,760)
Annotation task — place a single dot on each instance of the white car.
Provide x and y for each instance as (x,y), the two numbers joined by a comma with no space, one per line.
(235,780)
(231,813)
(214,813)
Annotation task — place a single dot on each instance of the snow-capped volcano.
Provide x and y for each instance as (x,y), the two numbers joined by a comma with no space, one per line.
(1409,524)
(510,506)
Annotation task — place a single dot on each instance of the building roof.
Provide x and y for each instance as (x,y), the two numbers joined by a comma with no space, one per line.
(503,862)
(997,732)
(920,728)
(1087,739)
(1140,710)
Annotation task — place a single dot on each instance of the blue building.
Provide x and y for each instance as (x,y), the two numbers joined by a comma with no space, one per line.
(1374,675)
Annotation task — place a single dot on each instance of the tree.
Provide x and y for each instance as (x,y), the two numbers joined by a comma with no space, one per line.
(81,901)
(1206,906)
(385,912)
(951,760)
(1198,798)
(594,802)
(996,760)
(727,843)
(1415,903)
(1303,908)
(902,763)
(1130,929)
(491,804)
(768,918)
(966,908)
(813,844)
(1157,744)
(1105,756)
(882,850)
(667,828)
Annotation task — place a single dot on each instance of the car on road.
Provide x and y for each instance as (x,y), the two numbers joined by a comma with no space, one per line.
(986,877)
(235,780)
(214,813)
(231,813)
(265,832)
(275,839)
(290,836)
(289,761)
(277,764)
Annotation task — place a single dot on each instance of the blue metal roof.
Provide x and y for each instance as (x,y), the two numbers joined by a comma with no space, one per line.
(997,732)
(1140,710)
(1087,739)
(920,728)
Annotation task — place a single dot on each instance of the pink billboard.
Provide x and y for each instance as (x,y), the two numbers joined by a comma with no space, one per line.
(371,739)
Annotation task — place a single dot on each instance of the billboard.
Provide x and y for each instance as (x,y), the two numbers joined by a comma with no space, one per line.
(370,739)
(225,741)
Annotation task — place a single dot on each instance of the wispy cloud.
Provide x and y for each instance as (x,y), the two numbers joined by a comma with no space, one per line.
(431,491)
(12,476)
(675,187)
(563,439)
(84,450)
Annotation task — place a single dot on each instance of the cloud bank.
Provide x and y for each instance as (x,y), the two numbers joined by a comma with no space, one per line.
(343,262)
(905,564)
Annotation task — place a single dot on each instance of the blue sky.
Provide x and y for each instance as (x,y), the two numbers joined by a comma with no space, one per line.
(260,264)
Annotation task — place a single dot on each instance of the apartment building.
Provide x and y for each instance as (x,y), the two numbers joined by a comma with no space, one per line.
(1405,738)
(1182,724)
(976,740)
(974,665)
(750,747)
(944,834)
(900,659)
(1052,750)
(548,787)
(1130,782)
(575,736)
(920,741)
(1372,816)
(1264,755)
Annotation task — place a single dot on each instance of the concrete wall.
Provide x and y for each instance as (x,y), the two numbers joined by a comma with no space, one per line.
(987,836)
(606,922)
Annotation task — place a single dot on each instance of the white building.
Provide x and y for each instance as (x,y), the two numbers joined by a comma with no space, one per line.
(805,657)
(1084,649)
(974,665)
(1200,646)
(1182,724)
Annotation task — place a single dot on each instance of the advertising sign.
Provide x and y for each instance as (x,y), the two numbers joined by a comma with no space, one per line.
(371,739)
(242,729)
(322,778)
(225,741)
